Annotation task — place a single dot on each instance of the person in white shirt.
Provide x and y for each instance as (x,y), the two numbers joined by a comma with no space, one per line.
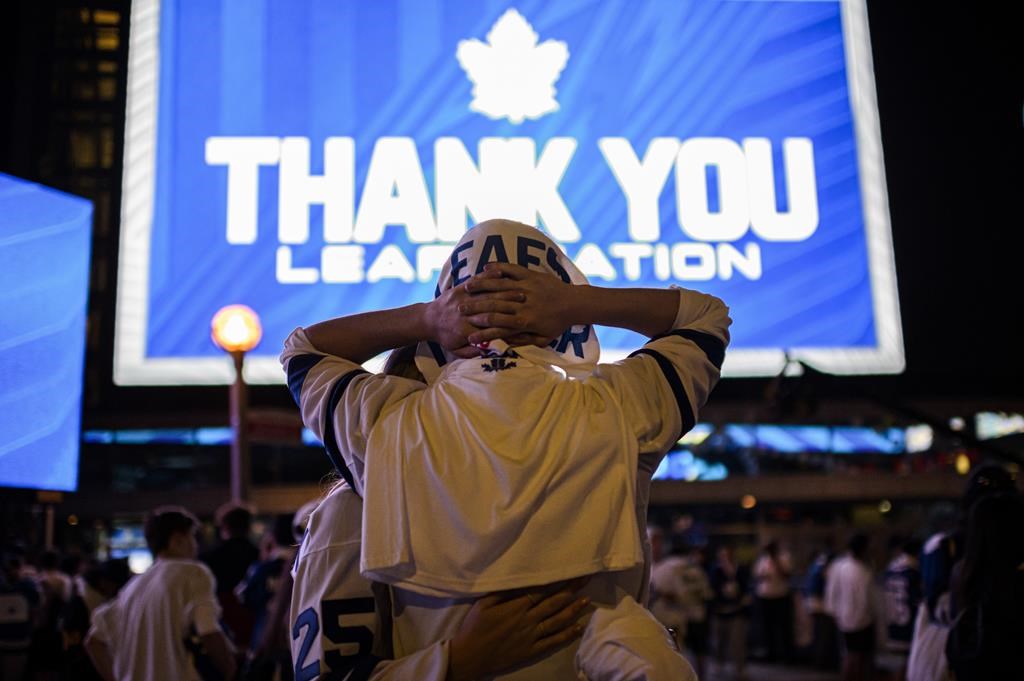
(680,595)
(850,598)
(142,633)
(53,583)
(525,466)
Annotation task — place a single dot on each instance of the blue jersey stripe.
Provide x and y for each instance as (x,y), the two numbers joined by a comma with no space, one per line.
(330,442)
(438,353)
(678,390)
(298,367)
(711,346)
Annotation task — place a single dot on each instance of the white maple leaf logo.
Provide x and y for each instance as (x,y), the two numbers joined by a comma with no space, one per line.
(513,77)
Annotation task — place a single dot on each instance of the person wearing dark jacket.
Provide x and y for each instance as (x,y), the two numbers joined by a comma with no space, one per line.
(988,593)
(229,561)
(730,583)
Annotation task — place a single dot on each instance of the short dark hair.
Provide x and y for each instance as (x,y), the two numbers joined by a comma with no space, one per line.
(49,560)
(987,479)
(235,518)
(282,529)
(858,544)
(164,522)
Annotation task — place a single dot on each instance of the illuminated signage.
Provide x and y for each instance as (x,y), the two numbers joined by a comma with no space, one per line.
(45,238)
(317,159)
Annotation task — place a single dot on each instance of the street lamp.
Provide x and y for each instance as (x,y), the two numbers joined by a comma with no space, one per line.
(236,329)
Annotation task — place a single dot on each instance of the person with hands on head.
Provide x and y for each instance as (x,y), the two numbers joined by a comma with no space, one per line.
(518,460)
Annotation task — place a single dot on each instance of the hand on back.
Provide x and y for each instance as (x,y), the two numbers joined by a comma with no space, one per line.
(505,630)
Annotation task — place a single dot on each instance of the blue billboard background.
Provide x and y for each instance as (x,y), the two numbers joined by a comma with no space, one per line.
(44,283)
(637,70)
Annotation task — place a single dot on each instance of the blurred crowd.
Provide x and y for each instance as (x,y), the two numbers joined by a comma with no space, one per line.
(949,607)
(52,604)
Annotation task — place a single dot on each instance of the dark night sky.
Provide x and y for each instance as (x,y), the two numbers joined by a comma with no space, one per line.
(949,83)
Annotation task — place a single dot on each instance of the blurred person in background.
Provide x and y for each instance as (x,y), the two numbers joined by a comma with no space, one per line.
(97,585)
(19,609)
(656,538)
(730,583)
(927,660)
(258,591)
(229,561)
(46,658)
(988,593)
(774,603)
(53,581)
(143,633)
(271,650)
(682,594)
(902,584)
(666,598)
(824,638)
(849,597)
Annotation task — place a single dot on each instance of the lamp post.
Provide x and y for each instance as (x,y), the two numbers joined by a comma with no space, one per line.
(236,329)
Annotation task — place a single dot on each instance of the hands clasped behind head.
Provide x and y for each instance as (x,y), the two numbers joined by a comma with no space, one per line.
(515,304)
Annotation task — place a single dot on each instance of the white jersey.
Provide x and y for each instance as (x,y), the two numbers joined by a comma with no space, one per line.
(505,472)
(337,630)
(560,515)
(145,627)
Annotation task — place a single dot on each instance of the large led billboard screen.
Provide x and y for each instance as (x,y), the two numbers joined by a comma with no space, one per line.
(317,158)
(45,238)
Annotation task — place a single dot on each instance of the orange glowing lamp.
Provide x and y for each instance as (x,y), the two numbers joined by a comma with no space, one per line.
(236,328)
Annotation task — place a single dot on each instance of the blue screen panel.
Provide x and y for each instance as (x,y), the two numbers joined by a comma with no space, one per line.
(313,159)
(44,282)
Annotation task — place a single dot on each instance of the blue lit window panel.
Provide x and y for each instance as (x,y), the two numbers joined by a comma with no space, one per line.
(793,439)
(98,437)
(152,436)
(676,465)
(774,99)
(716,471)
(661,473)
(861,440)
(214,436)
(684,465)
(44,284)
(741,436)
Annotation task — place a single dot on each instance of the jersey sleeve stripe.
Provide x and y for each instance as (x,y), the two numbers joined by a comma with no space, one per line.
(298,367)
(330,441)
(711,346)
(678,390)
(438,353)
